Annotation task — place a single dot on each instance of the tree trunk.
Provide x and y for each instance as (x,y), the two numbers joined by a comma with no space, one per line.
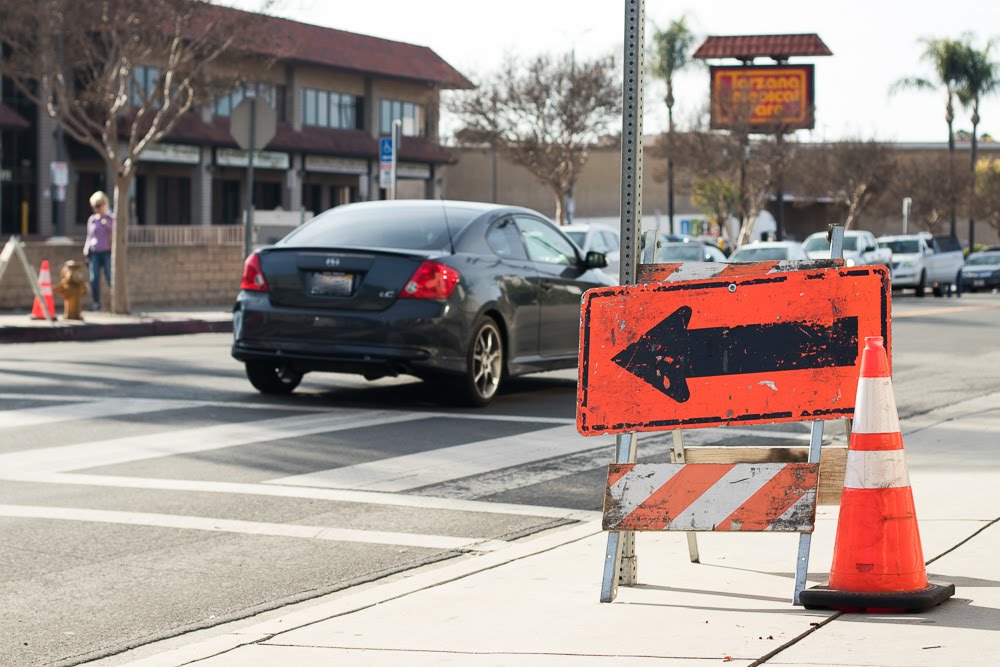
(119,248)
(560,207)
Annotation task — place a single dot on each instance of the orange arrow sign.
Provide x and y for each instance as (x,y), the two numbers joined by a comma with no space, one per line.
(752,349)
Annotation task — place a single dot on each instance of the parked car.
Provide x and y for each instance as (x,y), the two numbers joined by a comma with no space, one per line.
(922,260)
(688,251)
(462,294)
(600,238)
(860,248)
(762,251)
(981,271)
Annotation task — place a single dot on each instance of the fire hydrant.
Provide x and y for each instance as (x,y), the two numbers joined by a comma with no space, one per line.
(71,287)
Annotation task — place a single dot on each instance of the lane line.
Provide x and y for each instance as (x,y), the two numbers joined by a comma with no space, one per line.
(506,455)
(183,522)
(334,495)
(67,458)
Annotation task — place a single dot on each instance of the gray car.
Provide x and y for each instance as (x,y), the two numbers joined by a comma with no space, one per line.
(461,294)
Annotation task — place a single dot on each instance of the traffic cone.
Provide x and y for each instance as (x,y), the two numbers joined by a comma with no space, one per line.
(878,563)
(45,284)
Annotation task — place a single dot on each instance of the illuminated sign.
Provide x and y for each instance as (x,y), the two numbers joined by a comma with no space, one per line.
(762,98)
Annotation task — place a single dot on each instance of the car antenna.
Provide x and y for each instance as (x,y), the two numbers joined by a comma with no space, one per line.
(444,210)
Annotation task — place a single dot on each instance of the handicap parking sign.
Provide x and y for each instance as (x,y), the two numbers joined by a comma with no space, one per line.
(385,149)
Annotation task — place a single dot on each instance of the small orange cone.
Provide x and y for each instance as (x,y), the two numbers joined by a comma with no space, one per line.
(878,562)
(45,283)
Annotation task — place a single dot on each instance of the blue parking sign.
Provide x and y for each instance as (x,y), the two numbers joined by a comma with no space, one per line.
(385,149)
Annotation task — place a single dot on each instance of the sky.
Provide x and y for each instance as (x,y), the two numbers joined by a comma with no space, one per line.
(874,43)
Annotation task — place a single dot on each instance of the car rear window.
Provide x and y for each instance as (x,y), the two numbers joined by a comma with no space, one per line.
(905,247)
(685,253)
(759,254)
(819,243)
(578,237)
(410,228)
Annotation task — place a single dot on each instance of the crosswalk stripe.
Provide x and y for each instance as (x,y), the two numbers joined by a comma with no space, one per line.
(111,407)
(253,528)
(335,495)
(135,448)
(402,473)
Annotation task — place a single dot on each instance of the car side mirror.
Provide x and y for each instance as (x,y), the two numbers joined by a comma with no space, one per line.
(596,260)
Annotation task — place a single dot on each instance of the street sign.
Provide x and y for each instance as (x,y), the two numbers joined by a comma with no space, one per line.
(265,123)
(60,174)
(385,162)
(747,349)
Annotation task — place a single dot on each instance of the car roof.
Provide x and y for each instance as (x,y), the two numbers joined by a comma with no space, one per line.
(770,244)
(849,232)
(900,237)
(587,226)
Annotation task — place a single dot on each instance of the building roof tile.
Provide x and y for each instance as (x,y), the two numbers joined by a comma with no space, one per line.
(744,47)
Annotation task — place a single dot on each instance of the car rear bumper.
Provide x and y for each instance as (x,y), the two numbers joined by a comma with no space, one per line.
(977,282)
(417,337)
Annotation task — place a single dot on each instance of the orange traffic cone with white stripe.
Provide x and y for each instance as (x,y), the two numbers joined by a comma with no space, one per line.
(878,562)
(45,285)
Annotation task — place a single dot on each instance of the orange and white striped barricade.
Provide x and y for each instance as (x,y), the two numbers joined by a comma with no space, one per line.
(751,344)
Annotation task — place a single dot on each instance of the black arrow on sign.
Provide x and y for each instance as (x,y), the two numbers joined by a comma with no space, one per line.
(670,353)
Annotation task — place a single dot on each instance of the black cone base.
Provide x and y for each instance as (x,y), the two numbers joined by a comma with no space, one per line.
(911,602)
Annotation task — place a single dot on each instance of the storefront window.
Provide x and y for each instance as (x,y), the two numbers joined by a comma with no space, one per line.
(412,115)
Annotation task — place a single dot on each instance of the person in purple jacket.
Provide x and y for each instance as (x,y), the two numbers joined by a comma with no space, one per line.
(97,248)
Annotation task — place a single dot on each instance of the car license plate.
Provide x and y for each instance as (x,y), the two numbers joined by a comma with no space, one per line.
(330,283)
(979,283)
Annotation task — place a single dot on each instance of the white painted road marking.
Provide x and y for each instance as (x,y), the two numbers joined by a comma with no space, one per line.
(335,495)
(252,528)
(135,448)
(116,407)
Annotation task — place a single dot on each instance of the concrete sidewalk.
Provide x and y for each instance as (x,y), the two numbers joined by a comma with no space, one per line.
(18,327)
(536,602)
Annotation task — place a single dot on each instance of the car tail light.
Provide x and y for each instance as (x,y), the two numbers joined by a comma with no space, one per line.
(253,276)
(431,280)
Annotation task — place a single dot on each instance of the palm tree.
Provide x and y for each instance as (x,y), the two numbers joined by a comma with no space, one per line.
(947,56)
(672,53)
(981,77)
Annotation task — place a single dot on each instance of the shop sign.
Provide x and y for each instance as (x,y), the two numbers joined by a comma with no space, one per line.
(171,153)
(413,170)
(762,97)
(336,165)
(232,157)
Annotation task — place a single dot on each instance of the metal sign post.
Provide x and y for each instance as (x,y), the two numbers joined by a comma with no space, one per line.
(620,564)
(253,124)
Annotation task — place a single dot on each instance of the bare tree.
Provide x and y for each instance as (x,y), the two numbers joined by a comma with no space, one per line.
(119,75)
(545,115)
(988,192)
(854,173)
(926,180)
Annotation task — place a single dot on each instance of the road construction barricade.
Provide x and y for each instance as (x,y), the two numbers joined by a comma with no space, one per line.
(722,345)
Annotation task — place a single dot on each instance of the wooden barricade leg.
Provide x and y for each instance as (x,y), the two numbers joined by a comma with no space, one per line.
(620,566)
(679,457)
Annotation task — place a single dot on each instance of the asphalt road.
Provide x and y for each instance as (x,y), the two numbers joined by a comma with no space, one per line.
(146,490)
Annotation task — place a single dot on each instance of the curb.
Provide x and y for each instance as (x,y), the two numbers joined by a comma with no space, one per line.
(39,334)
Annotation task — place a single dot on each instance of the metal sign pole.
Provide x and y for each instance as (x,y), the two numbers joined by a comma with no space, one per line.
(248,227)
(620,564)
(815,446)
(397,131)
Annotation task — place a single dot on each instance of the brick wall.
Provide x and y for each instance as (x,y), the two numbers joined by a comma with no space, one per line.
(159,277)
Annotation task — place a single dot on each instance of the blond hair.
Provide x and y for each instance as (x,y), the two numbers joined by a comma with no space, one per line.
(98,198)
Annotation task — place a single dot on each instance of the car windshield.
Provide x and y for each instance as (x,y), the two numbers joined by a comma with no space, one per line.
(407,227)
(907,247)
(984,260)
(578,237)
(819,243)
(680,253)
(758,254)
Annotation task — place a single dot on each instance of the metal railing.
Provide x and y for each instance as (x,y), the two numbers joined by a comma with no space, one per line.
(185,235)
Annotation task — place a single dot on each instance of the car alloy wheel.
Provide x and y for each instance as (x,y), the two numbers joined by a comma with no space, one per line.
(269,377)
(487,361)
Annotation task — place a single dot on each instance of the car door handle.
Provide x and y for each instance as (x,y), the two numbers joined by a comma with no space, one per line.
(546,284)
